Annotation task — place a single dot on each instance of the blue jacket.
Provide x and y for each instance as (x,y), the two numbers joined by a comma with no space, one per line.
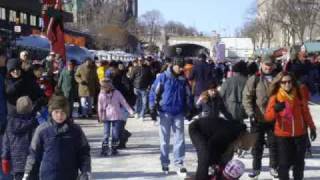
(17,139)
(61,150)
(3,109)
(175,93)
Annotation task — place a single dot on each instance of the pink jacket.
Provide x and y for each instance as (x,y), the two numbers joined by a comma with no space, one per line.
(110,104)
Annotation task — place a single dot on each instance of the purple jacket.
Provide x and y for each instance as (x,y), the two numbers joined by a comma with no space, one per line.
(110,104)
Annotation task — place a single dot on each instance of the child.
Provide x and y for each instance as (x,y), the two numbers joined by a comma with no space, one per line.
(59,147)
(233,171)
(212,104)
(110,113)
(17,138)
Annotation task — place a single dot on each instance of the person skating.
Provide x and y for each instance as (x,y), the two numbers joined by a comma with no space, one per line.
(17,138)
(59,149)
(289,109)
(176,101)
(110,101)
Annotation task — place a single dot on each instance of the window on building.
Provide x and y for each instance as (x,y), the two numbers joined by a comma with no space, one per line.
(23,18)
(3,13)
(33,20)
(41,23)
(12,16)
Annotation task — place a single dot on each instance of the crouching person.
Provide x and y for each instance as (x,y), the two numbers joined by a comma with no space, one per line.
(59,148)
(17,138)
(215,140)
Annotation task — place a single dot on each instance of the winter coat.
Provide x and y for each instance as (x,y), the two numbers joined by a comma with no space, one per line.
(176,96)
(255,96)
(293,120)
(67,83)
(122,83)
(58,151)
(231,93)
(218,133)
(203,74)
(17,139)
(23,86)
(101,70)
(3,109)
(109,106)
(87,79)
(213,107)
(141,77)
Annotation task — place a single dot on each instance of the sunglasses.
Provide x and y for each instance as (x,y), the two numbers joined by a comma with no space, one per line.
(286,82)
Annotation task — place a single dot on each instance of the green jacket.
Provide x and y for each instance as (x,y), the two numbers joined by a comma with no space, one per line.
(67,83)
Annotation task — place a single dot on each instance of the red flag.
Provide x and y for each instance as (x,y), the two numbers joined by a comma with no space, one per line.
(53,23)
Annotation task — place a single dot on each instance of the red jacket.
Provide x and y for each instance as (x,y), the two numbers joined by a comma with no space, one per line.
(295,124)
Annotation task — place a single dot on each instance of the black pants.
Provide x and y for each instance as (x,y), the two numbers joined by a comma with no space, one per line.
(257,150)
(201,144)
(291,153)
(18,176)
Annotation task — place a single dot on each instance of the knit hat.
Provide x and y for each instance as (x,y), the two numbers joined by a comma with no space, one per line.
(267,59)
(106,83)
(234,169)
(58,101)
(24,105)
(13,64)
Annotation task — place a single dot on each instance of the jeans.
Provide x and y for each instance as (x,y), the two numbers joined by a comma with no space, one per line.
(86,105)
(141,101)
(116,130)
(291,153)
(176,122)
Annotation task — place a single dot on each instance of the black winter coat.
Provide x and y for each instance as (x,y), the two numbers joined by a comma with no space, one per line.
(214,107)
(17,139)
(23,86)
(203,74)
(61,150)
(141,76)
(217,133)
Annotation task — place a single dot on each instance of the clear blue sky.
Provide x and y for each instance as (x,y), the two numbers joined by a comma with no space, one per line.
(223,16)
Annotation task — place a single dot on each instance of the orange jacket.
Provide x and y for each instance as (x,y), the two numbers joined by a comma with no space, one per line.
(295,126)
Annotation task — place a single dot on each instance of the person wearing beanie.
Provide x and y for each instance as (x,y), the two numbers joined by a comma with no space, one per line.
(58,146)
(17,138)
(170,96)
(110,101)
(17,84)
(231,92)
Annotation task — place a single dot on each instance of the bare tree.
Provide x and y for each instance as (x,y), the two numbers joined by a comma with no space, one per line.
(251,30)
(153,21)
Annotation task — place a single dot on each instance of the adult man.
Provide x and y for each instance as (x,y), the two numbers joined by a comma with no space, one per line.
(255,99)
(203,75)
(87,79)
(141,76)
(26,63)
(231,91)
(175,101)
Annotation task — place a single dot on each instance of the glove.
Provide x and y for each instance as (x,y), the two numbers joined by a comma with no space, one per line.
(25,177)
(85,176)
(279,106)
(189,115)
(252,118)
(5,167)
(153,114)
(84,83)
(313,134)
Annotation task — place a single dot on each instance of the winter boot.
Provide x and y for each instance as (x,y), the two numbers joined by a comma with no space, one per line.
(105,149)
(114,148)
(165,170)
(254,174)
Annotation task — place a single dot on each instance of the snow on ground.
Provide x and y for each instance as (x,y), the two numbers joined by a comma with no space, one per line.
(141,159)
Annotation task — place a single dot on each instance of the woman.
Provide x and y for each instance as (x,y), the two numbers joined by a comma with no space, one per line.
(288,107)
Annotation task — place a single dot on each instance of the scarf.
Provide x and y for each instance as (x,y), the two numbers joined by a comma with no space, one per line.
(285,96)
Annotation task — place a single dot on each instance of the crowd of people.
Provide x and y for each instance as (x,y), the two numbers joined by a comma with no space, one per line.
(40,139)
